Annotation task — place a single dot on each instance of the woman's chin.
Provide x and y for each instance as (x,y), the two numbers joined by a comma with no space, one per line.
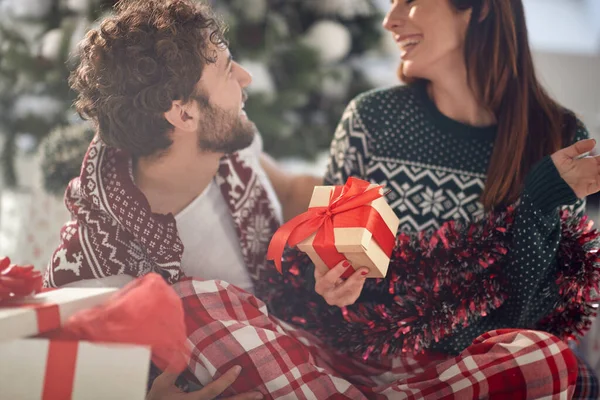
(410,70)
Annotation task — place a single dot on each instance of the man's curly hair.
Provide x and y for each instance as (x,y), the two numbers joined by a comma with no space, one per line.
(150,53)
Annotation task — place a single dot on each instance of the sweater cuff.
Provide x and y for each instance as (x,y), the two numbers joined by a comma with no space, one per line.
(546,189)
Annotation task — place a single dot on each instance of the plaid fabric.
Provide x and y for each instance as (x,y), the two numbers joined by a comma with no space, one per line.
(587,387)
(227,327)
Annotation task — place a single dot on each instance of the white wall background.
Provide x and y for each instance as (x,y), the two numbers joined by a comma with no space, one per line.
(565,37)
(574,80)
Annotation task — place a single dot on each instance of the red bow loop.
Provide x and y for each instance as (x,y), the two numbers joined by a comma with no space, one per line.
(18,281)
(353,195)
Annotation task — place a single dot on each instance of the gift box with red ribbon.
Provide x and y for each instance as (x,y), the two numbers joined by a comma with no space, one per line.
(44,312)
(24,311)
(351,222)
(35,368)
(89,343)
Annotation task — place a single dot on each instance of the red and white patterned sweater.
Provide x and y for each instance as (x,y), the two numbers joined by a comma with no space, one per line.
(113,230)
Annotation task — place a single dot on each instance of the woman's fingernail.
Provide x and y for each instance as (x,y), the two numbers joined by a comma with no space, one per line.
(364,273)
(346,264)
(258,396)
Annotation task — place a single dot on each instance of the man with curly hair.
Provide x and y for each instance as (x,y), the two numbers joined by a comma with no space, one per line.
(175,181)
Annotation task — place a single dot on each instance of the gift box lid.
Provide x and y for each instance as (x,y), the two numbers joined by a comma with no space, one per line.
(47,311)
(351,240)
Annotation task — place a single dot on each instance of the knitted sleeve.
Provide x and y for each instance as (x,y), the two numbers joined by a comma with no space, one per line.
(350,149)
(533,267)
(349,156)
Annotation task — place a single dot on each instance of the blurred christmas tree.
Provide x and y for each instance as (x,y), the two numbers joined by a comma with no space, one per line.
(36,40)
(305,58)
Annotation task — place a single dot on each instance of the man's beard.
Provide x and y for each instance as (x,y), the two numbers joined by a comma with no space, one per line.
(223,132)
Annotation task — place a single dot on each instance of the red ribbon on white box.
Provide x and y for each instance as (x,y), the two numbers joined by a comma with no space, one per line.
(57,369)
(349,207)
(47,315)
(100,347)
(47,311)
(62,355)
(60,370)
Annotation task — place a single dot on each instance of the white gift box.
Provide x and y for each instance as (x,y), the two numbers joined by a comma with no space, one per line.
(46,311)
(49,369)
(56,370)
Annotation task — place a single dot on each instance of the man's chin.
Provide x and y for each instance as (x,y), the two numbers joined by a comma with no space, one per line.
(240,145)
(240,137)
(241,141)
(245,136)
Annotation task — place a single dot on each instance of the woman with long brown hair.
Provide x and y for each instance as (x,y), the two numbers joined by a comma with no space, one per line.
(482,166)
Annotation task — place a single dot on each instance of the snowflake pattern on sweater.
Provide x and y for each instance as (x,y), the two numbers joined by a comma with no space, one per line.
(435,171)
(434,167)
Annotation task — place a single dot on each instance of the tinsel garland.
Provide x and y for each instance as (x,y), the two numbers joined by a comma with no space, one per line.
(578,279)
(437,283)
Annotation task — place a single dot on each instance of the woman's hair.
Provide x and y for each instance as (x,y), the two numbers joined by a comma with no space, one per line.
(132,68)
(531,125)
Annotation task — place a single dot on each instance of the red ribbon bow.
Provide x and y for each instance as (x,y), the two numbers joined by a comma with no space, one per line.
(18,281)
(349,206)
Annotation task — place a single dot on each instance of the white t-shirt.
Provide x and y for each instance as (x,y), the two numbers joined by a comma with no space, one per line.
(207,231)
(211,245)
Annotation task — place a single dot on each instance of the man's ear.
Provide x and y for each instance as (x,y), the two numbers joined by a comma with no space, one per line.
(181,116)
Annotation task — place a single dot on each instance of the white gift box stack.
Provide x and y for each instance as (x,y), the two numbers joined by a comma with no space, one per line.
(38,368)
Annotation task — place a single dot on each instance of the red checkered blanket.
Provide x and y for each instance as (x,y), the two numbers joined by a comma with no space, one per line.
(227,327)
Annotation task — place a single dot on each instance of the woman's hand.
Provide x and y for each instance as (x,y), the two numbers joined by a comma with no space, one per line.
(582,174)
(163,388)
(335,290)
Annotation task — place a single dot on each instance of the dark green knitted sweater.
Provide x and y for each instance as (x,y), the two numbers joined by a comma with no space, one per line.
(435,169)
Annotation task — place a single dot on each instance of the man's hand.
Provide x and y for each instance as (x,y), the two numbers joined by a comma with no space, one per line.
(581,173)
(335,290)
(163,388)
